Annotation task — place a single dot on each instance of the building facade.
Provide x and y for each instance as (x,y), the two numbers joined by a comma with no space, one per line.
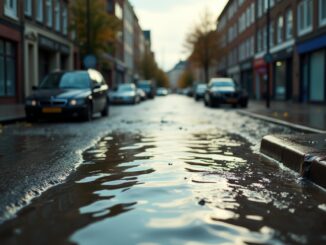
(295,33)
(48,44)
(11,50)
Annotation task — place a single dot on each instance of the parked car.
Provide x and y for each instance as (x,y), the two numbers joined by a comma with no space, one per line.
(125,93)
(141,94)
(69,94)
(200,90)
(225,91)
(148,87)
(162,91)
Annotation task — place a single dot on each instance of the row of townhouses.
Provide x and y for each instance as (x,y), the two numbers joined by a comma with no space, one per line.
(35,39)
(295,31)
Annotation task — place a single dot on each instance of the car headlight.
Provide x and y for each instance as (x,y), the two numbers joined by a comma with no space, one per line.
(31,102)
(75,102)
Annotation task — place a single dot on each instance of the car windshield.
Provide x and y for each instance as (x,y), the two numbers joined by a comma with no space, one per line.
(201,87)
(69,80)
(125,88)
(144,85)
(223,84)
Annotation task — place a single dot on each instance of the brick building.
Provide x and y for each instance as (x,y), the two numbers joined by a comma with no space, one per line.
(297,46)
(11,49)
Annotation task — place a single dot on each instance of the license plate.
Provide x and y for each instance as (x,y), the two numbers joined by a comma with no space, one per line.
(51,110)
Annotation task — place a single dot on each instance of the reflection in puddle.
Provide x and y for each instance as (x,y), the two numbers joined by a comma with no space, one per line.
(173,189)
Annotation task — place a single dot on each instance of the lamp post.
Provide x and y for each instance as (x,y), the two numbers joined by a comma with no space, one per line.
(88,25)
(268,55)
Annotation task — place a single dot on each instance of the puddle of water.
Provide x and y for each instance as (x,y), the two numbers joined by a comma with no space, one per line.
(176,188)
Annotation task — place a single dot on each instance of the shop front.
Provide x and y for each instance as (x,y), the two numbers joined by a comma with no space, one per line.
(44,53)
(234,73)
(312,70)
(10,66)
(247,77)
(260,78)
(282,74)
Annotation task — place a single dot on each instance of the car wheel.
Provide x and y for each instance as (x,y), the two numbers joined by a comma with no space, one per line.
(88,116)
(244,104)
(30,118)
(105,111)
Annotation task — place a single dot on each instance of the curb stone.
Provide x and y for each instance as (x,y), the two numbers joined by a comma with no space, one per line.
(299,154)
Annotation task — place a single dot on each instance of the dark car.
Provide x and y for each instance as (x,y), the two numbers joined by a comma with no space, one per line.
(225,91)
(69,94)
(148,87)
(200,90)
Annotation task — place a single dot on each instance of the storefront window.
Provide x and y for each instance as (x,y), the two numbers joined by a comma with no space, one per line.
(280,80)
(7,68)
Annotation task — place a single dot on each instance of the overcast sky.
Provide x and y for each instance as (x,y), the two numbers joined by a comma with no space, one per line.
(170,21)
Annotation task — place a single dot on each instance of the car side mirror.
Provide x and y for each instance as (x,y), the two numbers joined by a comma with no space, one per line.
(34,88)
(96,86)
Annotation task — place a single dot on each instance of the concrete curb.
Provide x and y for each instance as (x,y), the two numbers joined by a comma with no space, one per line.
(283,123)
(309,161)
(12,120)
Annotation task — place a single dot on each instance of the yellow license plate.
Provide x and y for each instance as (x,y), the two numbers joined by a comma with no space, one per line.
(52,110)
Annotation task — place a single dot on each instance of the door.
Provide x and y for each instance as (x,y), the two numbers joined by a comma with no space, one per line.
(317,77)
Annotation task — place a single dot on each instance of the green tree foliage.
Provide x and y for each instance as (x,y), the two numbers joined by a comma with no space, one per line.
(203,43)
(103,26)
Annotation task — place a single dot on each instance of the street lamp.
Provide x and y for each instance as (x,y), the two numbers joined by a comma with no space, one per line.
(268,56)
(88,25)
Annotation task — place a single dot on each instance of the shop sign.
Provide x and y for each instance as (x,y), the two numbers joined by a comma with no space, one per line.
(50,44)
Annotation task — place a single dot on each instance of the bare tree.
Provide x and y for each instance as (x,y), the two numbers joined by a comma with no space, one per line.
(203,43)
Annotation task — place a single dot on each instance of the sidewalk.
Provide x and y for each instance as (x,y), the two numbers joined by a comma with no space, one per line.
(11,113)
(305,115)
(304,153)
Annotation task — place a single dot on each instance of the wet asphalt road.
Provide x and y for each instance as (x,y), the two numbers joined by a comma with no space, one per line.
(167,171)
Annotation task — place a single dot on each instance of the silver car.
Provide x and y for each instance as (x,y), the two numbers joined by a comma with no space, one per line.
(124,94)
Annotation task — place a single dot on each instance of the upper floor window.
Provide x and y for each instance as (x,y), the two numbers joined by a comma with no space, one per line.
(289,24)
(322,12)
(49,13)
(65,19)
(11,9)
(304,17)
(57,16)
(280,24)
(39,10)
(28,7)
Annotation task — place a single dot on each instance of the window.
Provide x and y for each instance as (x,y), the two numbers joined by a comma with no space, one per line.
(28,7)
(65,20)
(289,25)
(304,17)
(280,24)
(39,13)
(322,12)
(11,8)
(49,13)
(57,16)
(7,68)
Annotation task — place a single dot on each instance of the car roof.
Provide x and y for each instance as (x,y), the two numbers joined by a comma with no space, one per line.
(221,79)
